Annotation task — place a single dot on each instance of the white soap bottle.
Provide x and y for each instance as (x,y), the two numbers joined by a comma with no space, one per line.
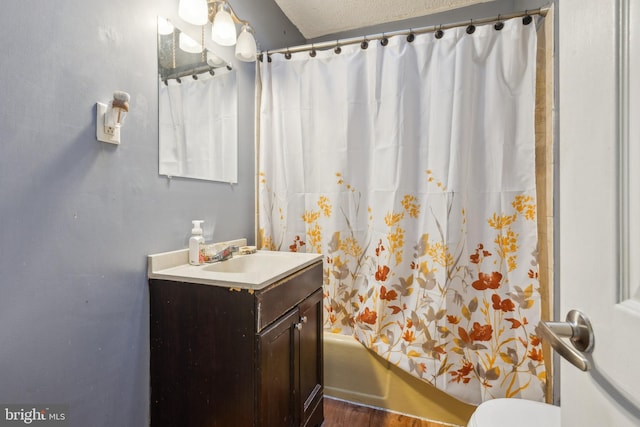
(196,242)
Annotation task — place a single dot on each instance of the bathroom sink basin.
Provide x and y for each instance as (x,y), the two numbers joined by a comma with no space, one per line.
(260,263)
(254,271)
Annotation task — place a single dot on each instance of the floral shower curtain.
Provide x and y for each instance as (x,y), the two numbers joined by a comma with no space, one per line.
(410,167)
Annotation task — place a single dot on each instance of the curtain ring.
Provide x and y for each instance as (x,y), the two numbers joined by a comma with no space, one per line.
(288,54)
(498,25)
(411,37)
(338,49)
(364,44)
(212,72)
(194,77)
(384,41)
(439,33)
(471,28)
(527,18)
(178,80)
(260,57)
(269,57)
(313,51)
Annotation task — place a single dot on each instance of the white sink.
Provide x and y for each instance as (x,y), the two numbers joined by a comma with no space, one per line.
(254,271)
(262,262)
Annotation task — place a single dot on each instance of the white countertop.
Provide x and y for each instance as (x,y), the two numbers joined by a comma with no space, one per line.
(255,271)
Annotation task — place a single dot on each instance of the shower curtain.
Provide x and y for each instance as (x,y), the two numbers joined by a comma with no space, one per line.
(198,126)
(410,167)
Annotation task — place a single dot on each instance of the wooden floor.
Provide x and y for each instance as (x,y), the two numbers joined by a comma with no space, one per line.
(342,414)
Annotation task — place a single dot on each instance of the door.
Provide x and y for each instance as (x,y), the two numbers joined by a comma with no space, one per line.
(311,361)
(277,372)
(597,235)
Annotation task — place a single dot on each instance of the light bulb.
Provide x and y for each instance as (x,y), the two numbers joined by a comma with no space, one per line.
(246,49)
(195,12)
(164,26)
(188,44)
(223,30)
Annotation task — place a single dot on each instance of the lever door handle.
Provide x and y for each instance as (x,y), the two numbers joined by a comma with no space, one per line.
(578,330)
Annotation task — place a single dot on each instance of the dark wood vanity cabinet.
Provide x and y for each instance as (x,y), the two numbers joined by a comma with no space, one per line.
(234,357)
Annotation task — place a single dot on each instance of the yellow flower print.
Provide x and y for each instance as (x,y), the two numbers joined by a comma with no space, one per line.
(430,178)
(501,221)
(351,246)
(525,205)
(267,241)
(440,254)
(310,217)
(409,204)
(507,246)
(393,218)
(325,206)
(314,238)
(396,242)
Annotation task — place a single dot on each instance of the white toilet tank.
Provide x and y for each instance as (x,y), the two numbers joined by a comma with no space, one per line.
(515,413)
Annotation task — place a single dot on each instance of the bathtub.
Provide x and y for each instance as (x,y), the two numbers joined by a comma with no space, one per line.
(355,374)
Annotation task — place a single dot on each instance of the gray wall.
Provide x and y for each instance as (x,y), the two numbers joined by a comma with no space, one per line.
(78,217)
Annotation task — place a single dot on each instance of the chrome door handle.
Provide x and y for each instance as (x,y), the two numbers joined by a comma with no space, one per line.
(580,333)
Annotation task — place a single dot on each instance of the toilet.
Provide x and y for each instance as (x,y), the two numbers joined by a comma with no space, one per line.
(515,412)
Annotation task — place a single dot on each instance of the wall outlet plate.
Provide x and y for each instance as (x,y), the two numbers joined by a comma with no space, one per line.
(104,133)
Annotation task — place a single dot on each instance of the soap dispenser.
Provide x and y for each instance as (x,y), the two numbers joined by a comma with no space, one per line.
(196,242)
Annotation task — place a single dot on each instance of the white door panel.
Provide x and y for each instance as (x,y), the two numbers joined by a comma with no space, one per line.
(598,224)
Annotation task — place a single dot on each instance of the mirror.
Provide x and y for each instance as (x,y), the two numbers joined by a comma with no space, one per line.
(197,109)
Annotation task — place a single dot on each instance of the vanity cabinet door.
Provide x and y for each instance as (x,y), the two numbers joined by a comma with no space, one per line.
(311,362)
(278,372)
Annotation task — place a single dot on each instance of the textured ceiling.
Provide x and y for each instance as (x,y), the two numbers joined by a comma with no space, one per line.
(316,18)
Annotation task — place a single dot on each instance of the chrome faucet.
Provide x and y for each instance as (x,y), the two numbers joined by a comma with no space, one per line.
(224,254)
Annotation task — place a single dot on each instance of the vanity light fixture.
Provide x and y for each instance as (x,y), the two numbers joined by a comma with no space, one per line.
(188,44)
(165,27)
(223,25)
(195,12)
(110,117)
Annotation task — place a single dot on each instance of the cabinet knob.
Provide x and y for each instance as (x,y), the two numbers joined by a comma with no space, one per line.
(304,319)
(298,326)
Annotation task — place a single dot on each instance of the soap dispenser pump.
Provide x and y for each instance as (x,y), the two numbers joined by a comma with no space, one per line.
(196,242)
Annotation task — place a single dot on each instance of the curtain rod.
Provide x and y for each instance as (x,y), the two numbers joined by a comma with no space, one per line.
(542,11)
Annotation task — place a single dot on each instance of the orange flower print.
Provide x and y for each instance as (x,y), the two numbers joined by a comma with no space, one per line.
(487,281)
(461,374)
(464,336)
(409,323)
(475,258)
(389,296)
(515,323)
(535,354)
(481,332)
(368,316)
(297,243)
(381,274)
(495,299)
(535,340)
(454,320)
(504,305)
(408,336)
(395,309)
(379,248)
